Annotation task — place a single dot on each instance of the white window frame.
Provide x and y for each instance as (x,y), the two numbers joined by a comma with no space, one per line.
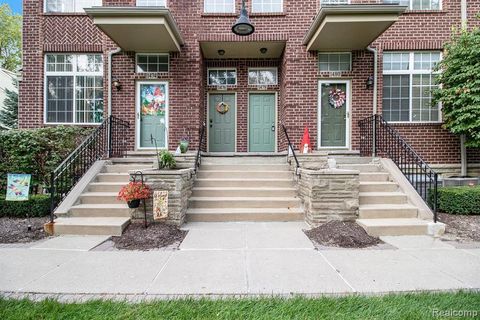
(274,69)
(334,2)
(219,85)
(74,73)
(151,54)
(281,8)
(164,6)
(410,5)
(66,12)
(217,12)
(343,52)
(410,72)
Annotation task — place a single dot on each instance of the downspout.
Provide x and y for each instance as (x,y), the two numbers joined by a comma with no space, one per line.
(110,55)
(375,73)
(463,148)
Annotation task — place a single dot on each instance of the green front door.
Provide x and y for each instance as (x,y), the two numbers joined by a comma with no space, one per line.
(152,113)
(333,114)
(221,122)
(261,122)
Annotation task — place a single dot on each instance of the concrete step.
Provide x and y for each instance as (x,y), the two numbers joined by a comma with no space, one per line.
(126,168)
(105,186)
(243,183)
(100,198)
(378,186)
(238,159)
(244,202)
(374,176)
(244,167)
(382,198)
(387,211)
(243,192)
(360,167)
(394,227)
(91,226)
(244,214)
(100,210)
(352,160)
(113,177)
(211,174)
(150,160)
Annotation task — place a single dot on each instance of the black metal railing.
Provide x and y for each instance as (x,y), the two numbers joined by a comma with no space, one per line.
(378,138)
(200,143)
(290,147)
(108,140)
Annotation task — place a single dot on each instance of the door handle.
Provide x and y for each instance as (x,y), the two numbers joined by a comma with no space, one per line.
(211,123)
(273,127)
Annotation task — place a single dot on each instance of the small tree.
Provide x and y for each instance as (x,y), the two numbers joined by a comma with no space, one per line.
(9,114)
(10,38)
(459,87)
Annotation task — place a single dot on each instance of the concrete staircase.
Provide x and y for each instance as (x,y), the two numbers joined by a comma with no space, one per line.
(384,209)
(97,210)
(244,189)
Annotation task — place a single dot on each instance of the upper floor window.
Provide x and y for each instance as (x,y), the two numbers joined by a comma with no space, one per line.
(408,81)
(73,88)
(70,5)
(262,76)
(152,62)
(418,4)
(335,62)
(219,6)
(151,3)
(334,1)
(267,5)
(222,77)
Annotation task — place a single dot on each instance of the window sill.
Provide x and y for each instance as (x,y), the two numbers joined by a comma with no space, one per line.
(219,14)
(72,124)
(268,14)
(75,14)
(419,123)
(423,11)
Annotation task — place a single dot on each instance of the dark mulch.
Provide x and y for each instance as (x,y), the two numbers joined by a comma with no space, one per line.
(157,235)
(461,227)
(341,234)
(15,230)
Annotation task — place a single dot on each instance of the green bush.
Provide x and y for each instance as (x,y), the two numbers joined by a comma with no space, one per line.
(166,160)
(458,200)
(37,151)
(37,206)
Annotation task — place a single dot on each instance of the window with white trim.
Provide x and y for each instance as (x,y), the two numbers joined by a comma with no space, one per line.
(221,77)
(152,63)
(418,4)
(408,81)
(73,88)
(70,5)
(219,6)
(335,62)
(267,5)
(151,3)
(334,2)
(262,76)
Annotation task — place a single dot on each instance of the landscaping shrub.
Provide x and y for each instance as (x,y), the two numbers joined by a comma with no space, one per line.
(37,151)
(459,200)
(37,206)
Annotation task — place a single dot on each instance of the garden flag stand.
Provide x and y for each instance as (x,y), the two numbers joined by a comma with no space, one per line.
(305,145)
(134,179)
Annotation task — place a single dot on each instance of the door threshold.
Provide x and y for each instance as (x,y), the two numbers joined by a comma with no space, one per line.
(244,154)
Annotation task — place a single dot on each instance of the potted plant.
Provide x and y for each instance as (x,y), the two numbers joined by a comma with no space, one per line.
(133,192)
(166,160)
(184,145)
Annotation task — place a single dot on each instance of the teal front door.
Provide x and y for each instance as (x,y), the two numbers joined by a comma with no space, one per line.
(152,114)
(261,122)
(333,114)
(221,122)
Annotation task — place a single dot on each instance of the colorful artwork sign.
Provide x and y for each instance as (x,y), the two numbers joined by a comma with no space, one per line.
(153,99)
(18,187)
(160,205)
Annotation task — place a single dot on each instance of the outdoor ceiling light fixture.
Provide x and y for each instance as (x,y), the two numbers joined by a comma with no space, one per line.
(221,52)
(243,26)
(263,50)
(116,84)
(369,82)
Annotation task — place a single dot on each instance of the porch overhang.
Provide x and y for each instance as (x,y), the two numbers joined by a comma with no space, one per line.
(350,27)
(242,49)
(139,29)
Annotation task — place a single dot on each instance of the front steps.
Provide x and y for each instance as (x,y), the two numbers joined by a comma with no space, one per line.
(97,210)
(384,209)
(251,188)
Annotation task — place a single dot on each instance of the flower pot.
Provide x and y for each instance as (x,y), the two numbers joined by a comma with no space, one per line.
(134,204)
(184,146)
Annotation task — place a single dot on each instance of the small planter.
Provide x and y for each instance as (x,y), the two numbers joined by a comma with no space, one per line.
(183,146)
(134,204)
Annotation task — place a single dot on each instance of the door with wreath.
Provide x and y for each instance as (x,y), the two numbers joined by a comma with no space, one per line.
(221,122)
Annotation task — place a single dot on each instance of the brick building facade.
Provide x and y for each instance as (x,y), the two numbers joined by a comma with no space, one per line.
(52,30)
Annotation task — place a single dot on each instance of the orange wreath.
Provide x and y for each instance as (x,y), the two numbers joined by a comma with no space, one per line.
(222,107)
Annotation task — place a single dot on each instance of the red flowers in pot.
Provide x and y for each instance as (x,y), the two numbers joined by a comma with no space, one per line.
(133,192)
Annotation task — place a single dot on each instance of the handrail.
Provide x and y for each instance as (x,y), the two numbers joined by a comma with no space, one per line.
(377,136)
(108,140)
(290,146)
(197,157)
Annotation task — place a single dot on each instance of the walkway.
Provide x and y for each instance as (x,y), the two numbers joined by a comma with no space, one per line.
(235,259)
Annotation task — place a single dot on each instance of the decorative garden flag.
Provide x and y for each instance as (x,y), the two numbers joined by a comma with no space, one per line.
(18,186)
(160,205)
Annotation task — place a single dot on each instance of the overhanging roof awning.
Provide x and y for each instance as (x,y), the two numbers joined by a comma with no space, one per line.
(350,27)
(140,29)
(242,49)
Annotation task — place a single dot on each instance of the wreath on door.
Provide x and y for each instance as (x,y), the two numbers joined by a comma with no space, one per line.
(336,98)
(222,107)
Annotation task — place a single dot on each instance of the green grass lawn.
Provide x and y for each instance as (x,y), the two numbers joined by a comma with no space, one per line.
(405,306)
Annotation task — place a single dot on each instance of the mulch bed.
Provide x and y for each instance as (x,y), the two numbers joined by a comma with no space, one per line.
(341,234)
(156,236)
(14,230)
(461,228)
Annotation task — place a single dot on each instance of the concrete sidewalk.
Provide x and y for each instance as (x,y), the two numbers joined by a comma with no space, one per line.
(235,259)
